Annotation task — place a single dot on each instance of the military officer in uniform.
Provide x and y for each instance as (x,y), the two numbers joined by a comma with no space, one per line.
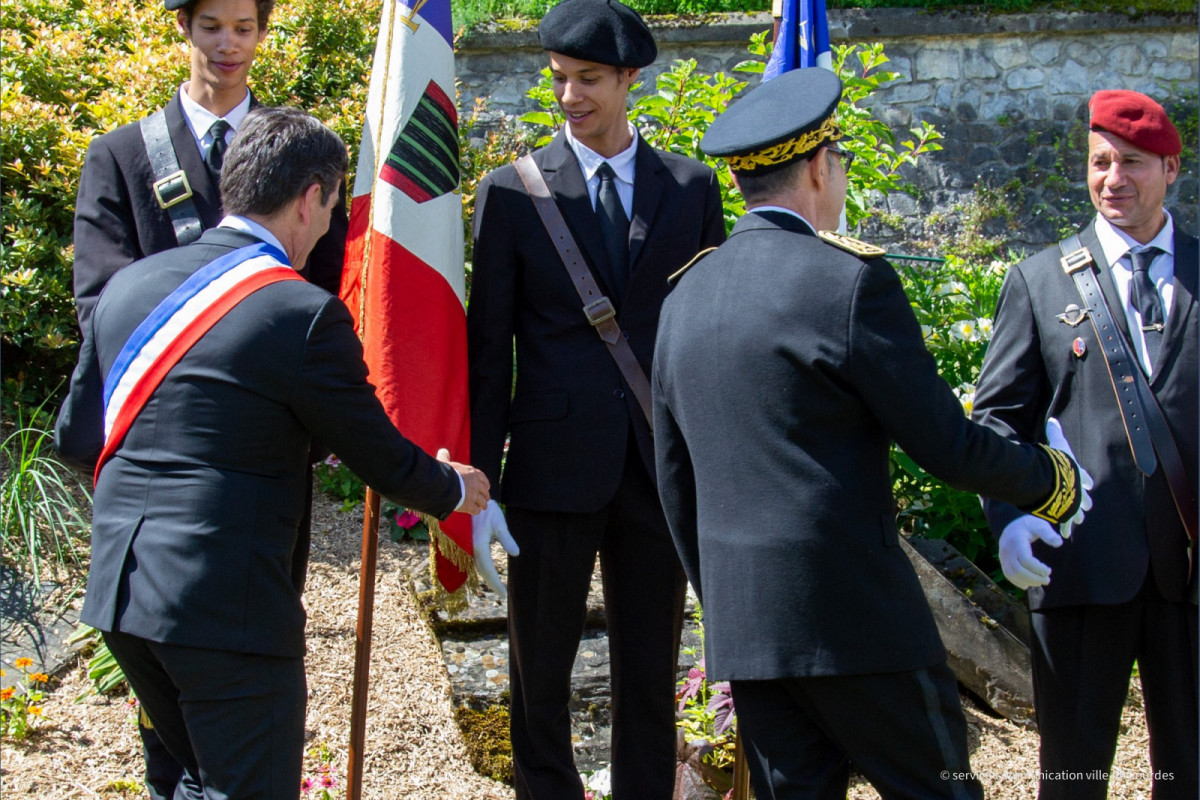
(1119,591)
(787,362)
(578,477)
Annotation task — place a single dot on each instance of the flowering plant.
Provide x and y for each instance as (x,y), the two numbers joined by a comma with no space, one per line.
(405,523)
(18,706)
(597,785)
(322,785)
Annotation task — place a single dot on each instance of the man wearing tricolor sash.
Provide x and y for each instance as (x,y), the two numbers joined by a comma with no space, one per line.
(205,374)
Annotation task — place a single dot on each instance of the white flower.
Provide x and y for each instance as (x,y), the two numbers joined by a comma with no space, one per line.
(957,290)
(966,329)
(997,267)
(984,325)
(601,782)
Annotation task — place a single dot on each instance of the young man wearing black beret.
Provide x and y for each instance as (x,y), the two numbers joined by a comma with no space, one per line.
(579,476)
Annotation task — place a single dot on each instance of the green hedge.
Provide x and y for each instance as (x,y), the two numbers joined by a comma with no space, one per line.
(74,69)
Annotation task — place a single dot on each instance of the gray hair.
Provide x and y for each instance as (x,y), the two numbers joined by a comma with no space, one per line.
(277,154)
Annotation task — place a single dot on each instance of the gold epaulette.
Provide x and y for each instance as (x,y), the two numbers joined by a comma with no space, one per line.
(679,272)
(851,245)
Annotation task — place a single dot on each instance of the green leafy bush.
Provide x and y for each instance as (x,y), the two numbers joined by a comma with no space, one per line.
(113,62)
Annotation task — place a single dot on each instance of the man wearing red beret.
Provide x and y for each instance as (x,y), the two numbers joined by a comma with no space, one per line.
(1101,331)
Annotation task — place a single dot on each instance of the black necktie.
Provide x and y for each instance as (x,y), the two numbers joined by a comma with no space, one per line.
(614,227)
(216,153)
(1146,300)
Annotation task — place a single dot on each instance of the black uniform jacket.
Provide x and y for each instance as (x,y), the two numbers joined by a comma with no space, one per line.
(118,220)
(1031,372)
(570,415)
(196,515)
(785,368)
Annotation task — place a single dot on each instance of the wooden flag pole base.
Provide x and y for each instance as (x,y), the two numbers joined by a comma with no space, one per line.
(362,645)
(741,771)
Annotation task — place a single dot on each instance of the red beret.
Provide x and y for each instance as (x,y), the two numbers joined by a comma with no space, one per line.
(1135,118)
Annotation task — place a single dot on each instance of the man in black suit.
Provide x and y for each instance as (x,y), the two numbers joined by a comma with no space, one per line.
(200,446)
(118,214)
(1119,591)
(131,205)
(787,362)
(578,479)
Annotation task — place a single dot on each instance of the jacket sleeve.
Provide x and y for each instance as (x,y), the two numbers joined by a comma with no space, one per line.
(676,484)
(337,405)
(1011,394)
(105,230)
(79,430)
(490,326)
(899,380)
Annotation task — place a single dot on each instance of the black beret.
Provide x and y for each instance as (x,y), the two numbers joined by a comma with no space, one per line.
(174,5)
(777,122)
(604,31)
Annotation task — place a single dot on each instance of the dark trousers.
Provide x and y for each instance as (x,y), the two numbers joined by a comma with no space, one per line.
(905,731)
(234,721)
(644,589)
(1082,659)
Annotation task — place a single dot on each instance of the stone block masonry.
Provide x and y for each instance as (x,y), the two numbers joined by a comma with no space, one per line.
(1008,92)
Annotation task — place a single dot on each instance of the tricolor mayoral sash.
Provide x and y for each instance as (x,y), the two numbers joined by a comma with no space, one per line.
(177,323)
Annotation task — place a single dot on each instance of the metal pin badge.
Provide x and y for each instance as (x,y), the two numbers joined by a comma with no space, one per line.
(1073,315)
(1079,348)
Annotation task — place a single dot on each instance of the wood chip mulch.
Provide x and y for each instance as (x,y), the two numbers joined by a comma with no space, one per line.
(414,749)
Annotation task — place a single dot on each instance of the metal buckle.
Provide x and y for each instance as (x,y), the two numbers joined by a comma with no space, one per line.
(172,190)
(599,311)
(1073,262)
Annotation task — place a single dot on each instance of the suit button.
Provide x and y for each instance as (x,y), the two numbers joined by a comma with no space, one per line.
(619,394)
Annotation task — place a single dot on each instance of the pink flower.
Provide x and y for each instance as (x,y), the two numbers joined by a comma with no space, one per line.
(305,785)
(406,519)
(327,781)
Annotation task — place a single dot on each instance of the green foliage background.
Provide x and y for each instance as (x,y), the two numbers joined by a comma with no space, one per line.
(73,69)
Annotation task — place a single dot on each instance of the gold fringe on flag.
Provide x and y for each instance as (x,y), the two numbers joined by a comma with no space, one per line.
(440,544)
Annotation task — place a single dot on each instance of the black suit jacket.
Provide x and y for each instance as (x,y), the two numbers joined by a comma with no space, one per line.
(785,368)
(195,517)
(118,220)
(570,415)
(1133,524)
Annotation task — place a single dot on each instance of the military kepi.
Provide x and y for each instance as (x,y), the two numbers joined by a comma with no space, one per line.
(604,31)
(780,121)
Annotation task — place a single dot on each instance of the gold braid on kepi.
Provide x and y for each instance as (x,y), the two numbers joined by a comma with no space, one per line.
(785,151)
(1064,500)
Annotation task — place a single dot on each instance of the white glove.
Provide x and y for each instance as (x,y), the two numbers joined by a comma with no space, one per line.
(1055,438)
(1016,551)
(487,525)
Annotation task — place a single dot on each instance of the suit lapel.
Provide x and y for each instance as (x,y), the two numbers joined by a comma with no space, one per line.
(565,179)
(208,203)
(1183,303)
(647,191)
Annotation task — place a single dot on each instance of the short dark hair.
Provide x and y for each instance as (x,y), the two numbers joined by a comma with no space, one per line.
(760,185)
(277,154)
(264,8)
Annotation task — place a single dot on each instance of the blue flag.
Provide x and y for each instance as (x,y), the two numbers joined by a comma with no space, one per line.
(803,39)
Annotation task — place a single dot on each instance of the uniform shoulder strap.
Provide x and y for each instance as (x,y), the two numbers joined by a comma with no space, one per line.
(171,188)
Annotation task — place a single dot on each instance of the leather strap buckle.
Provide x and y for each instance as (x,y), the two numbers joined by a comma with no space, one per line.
(1073,262)
(172,190)
(599,311)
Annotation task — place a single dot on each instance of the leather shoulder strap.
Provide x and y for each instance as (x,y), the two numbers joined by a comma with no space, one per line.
(598,309)
(1145,424)
(171,188)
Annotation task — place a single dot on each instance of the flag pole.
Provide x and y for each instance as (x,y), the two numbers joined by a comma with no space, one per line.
(362,645)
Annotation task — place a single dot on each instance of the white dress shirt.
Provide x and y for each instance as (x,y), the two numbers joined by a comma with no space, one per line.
(1116,245)
(200,119)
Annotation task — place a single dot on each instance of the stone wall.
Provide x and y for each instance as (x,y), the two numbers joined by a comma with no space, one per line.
(1009,93)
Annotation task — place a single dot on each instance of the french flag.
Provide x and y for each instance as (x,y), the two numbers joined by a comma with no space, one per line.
(404,281)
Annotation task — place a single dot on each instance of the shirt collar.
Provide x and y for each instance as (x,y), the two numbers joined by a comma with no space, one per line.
(1116,243)
(247,225)
(783,210)
(590,160)
(200,119)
